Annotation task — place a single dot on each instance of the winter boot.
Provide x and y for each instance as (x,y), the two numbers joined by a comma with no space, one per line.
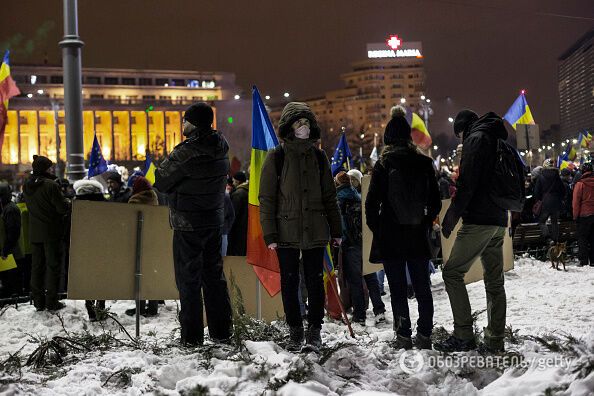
(402,342)
(422,342)
(295,339)
(56,307)
(380,318)
(313,340)
(455,344)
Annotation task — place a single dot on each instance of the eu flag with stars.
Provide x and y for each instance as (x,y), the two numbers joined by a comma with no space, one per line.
(341,155)
(97,164)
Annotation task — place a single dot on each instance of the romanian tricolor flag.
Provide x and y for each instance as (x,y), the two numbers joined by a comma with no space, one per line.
(8,89)
(562,162)
(570,153)
(263,260)
(584,140)
(149,169)
(519,112)
(420,134)
(332,304)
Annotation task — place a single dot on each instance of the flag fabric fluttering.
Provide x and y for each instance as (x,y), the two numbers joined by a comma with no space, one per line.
(419,132)
(8,89)
(97,164)
(562,162)
(263,260)
(584,139)
(332,303)
(342,156)
(374,156)
(519,112)
(571,152)
(149,169)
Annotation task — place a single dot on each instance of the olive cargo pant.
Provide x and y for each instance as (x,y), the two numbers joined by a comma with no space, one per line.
(486,242)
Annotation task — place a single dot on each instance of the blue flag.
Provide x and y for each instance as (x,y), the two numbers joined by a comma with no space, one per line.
(342,154)
(97,164)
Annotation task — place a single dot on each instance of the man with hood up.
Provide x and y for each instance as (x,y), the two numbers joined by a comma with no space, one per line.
(483,228)
(194,176)
(47,208)
(299,214)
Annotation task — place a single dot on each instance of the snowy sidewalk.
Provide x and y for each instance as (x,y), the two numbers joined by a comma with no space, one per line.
(550,314)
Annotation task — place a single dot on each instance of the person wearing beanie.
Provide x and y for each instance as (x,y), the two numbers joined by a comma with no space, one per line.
(47,210)
(237,237)
(583,213)
(356,177)
(118,192)
(11,223)
(550,191)
(483,228)
(402,202)
(349,202)
(299,216)
(194,177)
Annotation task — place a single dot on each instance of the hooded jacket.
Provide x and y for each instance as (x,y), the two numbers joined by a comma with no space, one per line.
(194,176)
(238,234)
(298,208)
(47,208)
(11,219)
(583,196)
(550,190)
(345,193)
(473,199)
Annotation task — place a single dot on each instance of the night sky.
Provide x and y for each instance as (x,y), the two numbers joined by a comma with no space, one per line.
(479,53)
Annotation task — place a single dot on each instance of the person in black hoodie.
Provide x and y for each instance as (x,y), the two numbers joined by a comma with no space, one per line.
(47,210)
(194,176)
(11,220)
(398,241)
(550,190)
(481,235)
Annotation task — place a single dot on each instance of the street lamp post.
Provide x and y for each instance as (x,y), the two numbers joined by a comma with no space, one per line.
(71,57)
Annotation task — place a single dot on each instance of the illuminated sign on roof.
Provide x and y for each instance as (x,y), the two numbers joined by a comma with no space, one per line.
(394,47)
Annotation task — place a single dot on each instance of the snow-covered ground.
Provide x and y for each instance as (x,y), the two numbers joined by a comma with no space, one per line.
(550,313)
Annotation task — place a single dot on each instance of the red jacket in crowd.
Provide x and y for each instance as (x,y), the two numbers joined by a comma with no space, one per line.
(583,196)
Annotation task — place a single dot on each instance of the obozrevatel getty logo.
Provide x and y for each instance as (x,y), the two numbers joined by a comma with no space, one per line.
(411,362)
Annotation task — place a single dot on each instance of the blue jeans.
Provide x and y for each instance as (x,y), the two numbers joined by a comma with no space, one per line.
(381,275)
(224,244)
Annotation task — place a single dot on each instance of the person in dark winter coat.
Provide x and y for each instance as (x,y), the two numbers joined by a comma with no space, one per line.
(11,222)
(238,234)
(444,186)
(583,213)
(91,190)
(47,208)
(566,206)
(299,214)
(550,190)
(229,219)
(143,193)
(397,245)
(194,176)
(352,254)
(118,192)
(481,235)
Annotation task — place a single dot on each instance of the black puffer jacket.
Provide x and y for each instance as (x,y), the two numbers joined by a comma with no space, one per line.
(550,190)
(473,200)
(392,240)
(194,176)
(47,208)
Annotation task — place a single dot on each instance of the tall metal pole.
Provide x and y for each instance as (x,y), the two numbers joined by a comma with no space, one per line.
(71,49)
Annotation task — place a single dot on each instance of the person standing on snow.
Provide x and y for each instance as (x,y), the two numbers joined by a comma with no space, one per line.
(550,190)
(402,202)
(583,213)
(194,176)
(239,229)
(483,228)
(47,208)
(299,214)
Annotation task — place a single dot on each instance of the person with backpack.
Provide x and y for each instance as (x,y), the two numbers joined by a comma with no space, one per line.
(549,193)
(583,213)
(490,183)
(402,202)
(299,215)
(349,202)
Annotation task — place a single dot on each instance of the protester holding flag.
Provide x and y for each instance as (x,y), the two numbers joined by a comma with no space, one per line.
(194,176)
(299,214)
(402,202)
(47,208)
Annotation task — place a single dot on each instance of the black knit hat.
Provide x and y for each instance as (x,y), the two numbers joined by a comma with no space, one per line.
(41,164)
(464,120)
(240,177)
(398,127)
(199,114)
(113,175)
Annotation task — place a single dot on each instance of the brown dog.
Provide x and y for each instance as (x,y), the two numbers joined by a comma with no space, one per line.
(557,255)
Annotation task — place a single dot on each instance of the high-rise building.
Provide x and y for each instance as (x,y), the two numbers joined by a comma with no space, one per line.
(576,87)
(133,112)
(392,74)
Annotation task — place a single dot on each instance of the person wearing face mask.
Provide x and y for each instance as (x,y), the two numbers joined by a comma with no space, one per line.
(194,176)
(299,215)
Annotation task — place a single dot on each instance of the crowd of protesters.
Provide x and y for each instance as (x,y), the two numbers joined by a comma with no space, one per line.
(303,208)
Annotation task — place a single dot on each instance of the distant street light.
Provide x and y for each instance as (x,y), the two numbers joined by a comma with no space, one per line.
(402,100)
(29,96)
(428,100)
(422,97)
(40,91)
(236,97)
(450,119)
(267,97)
(435,147)
(286,95)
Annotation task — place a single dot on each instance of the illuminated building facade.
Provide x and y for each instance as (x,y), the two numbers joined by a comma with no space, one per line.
(133,112)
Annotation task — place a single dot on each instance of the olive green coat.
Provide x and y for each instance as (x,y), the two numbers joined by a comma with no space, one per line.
(47,209)
(297,209)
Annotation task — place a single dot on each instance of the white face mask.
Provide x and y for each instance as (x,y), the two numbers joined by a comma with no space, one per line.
(302,132)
